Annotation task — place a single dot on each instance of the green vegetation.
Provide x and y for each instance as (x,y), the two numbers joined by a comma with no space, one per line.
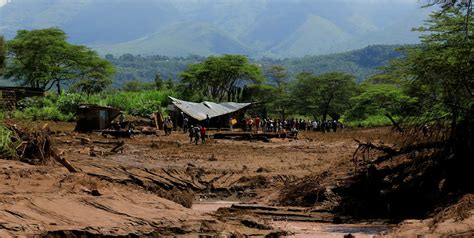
(378,99)
(440,72)
(34,61)
(43,58)
(361,63)
(63,107)
(7,146)
(322,95)
(144,69)
(369,121)
(218,78)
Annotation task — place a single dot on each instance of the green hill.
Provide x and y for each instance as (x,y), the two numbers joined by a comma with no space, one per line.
(360,63)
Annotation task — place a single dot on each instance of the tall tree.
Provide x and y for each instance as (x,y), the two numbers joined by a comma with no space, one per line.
(42,58)
(159,82)
(279,74)
(95,74)
(322,95)
(218,76)
(378,99)
(440,77)
(440,71)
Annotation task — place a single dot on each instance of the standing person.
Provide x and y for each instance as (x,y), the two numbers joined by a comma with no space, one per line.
(191,134)
(257,122)
(231,124)
(270,125)
(208,121)
(165,126)
(314,125)
(197,132)
(203,131)
(170,125)
(185,122)
(250,121)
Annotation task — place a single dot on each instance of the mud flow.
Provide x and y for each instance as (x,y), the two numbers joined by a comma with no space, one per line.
(165,186)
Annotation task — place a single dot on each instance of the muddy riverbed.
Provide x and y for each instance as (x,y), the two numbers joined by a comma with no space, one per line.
(165,186)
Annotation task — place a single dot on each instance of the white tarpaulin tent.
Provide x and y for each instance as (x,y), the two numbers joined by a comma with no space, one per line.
(199,111)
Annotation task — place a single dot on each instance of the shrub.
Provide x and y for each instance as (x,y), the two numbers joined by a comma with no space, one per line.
(44,113)
(371,121)
(68,103)
(7,146)
(6,143)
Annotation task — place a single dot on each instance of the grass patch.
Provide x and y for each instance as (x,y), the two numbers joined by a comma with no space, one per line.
(371,121)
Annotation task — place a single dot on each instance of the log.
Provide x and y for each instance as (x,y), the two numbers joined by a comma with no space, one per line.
(63,161)
(118,147)
(390,152)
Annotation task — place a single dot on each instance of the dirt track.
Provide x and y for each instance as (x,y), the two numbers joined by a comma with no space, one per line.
(116,193)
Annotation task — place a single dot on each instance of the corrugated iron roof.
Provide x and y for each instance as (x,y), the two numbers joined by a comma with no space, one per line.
(199,111)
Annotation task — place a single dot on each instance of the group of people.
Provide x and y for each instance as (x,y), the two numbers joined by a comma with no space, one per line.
(291,125)
(196,133)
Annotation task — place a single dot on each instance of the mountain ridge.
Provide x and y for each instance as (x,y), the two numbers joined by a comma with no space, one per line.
(257,28)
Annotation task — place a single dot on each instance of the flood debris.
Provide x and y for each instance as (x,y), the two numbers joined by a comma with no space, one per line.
(56,155)
(36,147)
(281,213)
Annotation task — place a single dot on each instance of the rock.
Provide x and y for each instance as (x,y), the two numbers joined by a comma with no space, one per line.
(96,193)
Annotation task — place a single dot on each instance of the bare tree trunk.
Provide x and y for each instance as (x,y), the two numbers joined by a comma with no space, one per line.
(395,124)
(58,84)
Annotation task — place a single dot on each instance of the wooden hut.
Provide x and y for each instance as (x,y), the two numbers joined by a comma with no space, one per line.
(93,117)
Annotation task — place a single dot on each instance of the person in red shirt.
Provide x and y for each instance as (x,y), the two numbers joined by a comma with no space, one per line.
(257,122)
(203,134)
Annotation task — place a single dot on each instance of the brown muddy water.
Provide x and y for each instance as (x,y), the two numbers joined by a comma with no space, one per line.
(306,229)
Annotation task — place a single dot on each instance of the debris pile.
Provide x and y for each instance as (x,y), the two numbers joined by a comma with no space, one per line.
(384,182)
(32,146)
